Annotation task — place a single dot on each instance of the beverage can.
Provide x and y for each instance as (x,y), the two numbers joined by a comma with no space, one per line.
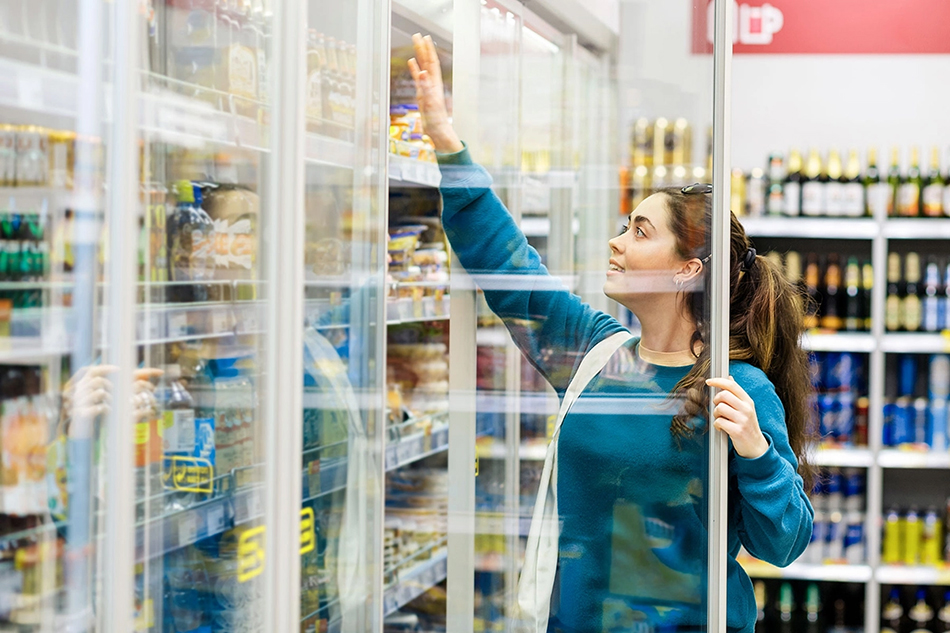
(62,148)
(861,421)
(890,412)
(828,415)
(32,156)
(937,424)
(831,377)
(922,434)
(844,429)
(815,553)
(907,375)
(834,539)
(902,429)
(930,538)
(939,383)
(854,488)
(7,155)
(835,490)
(913,531)
(854,539)
(891,548)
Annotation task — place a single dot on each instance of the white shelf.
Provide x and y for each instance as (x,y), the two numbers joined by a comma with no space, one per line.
(533,226)
(414,447)
(492,337)
(38,89)
(533,451)
(844,457)
(414,172)
(917,228)
(838,342)
(323,150)
(896,458)
(917,343)
(17,350)
(815,228)
(417,581)
(912,575)
(805,571)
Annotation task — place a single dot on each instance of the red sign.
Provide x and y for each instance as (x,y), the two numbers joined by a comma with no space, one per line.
(830,26)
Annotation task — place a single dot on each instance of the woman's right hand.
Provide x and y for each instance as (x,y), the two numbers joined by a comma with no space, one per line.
(430,94)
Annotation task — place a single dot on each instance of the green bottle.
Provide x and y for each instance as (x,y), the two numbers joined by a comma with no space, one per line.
(893,182)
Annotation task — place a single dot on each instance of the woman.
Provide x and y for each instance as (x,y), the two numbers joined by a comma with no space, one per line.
(631,464)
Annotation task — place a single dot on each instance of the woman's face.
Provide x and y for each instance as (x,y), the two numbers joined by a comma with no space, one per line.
(643,258)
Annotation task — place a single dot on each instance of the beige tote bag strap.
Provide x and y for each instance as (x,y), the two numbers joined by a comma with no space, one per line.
(540,564)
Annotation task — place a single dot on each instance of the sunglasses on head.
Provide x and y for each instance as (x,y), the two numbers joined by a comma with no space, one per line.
(697,187)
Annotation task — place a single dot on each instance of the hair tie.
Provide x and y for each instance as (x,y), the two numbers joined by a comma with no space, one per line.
(749,259)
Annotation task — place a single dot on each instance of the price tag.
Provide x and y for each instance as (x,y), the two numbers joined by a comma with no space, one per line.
(215,519)
(254,504)
(240,509)
(178,324)
(187,529)
(250,554)
(308,532)
(29,91)
(250,319)
(946,341)
(391,461)
(221,321)
(405,451)
(476,465)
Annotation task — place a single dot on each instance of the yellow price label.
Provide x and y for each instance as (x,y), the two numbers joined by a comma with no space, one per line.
(308,531)
(142,433)
(250,554)
(189,474)
(476,465)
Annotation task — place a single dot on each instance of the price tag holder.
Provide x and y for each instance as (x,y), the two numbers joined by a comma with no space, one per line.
(215,519)
(187,529)
(178,324)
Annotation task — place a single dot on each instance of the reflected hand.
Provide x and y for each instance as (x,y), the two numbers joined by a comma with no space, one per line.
(735,415)
(144,404)
(88,393)
(430,94)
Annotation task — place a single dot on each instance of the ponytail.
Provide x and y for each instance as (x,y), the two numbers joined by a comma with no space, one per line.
(765,327)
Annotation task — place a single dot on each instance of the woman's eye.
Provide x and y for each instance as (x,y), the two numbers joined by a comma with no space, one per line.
(640,232)
(624,229)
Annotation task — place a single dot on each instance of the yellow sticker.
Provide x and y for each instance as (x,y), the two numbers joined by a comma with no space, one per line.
(142,433)
(188,474)
(308,531)
(250,554)
(476,465)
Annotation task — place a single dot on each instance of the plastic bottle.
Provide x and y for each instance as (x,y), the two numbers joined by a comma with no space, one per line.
(190,239)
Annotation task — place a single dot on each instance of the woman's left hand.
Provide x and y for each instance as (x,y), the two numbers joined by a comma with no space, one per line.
(735,415)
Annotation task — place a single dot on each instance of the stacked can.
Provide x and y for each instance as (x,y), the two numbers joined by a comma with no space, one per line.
(838,528)
(842,411)
(913,538)
(919,421)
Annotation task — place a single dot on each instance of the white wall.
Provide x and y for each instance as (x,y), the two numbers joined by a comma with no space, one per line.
(780,101)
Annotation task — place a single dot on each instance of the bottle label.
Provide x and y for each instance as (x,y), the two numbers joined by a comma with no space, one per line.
(932,200)
(776,202)
(879,195)
(834,198)
(931,317)
(912,313)
(180,431)
(793,198)
(315,95)
(853,199)
(242,71)
(892,314)
(908,200)
(813,198)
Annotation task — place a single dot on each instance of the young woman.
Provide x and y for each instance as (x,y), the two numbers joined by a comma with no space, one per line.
(630,476)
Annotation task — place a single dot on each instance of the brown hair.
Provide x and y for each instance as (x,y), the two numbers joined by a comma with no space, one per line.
(765,325)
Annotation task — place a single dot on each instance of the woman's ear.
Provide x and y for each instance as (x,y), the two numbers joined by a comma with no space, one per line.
(689,273)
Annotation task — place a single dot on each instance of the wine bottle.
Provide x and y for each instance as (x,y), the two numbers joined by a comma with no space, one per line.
(831,307)
(931,305)
(921,613)
(853,205)
(932,195)
(867,285)
(792,187)
(854,300)
(813,185)
(893,182)
(908,199)
(834,188)
(760,599)
(786,608)
(875,192)
(942,621)
(812,279)
(813,605)
(911,312)
(892,311)
(775,195)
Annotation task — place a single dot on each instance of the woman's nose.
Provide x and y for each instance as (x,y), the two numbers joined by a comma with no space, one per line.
(614,245)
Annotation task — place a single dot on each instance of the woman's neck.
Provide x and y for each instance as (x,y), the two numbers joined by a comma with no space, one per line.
(660,333)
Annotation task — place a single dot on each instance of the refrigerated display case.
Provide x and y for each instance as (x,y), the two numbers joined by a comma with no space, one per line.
(223,213)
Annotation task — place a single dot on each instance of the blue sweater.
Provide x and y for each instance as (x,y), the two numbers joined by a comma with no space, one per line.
(631,498)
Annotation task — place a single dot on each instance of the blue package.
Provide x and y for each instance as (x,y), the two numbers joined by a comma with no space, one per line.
(937,425)
(827,415)
(204,439)
(890,410)
(902,427)
(922,434)
(830,375)
(907,380)
(844,429)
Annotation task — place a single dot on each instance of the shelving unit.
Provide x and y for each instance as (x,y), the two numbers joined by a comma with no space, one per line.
(881,233)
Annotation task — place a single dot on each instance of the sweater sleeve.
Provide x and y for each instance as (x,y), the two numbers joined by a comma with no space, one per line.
(774,513)
(552,326)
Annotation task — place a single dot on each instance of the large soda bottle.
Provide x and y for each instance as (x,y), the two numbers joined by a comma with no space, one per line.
(190,238)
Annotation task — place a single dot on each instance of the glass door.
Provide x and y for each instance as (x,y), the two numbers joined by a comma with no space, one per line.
(344,331)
